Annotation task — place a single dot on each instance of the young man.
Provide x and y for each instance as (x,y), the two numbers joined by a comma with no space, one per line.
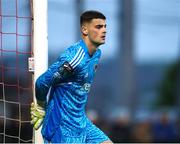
(69,80)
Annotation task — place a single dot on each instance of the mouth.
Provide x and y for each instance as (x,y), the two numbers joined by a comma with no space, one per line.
(103,37)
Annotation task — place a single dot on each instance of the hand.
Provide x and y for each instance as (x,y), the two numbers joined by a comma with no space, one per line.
(37,115)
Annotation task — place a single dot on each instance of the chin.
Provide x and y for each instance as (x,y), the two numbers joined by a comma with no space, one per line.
(99,43)
(103,42)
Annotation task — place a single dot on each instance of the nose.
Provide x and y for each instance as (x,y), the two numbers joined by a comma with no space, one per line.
(104,30)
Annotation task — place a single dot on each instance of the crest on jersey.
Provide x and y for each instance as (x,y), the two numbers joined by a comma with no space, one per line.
(87,87)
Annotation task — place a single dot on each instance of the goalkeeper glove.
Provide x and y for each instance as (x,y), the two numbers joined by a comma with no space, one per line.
(37,115)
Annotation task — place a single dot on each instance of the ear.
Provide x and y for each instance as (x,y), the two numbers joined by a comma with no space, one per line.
(84,30)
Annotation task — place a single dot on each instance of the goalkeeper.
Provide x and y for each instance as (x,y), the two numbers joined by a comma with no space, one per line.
(68,82)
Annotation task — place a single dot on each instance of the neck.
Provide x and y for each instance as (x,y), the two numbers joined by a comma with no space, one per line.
(91,46)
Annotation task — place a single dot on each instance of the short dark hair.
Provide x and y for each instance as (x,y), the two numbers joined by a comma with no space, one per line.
(87,16)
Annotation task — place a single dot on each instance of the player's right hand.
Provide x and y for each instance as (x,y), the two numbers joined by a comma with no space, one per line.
(37,115)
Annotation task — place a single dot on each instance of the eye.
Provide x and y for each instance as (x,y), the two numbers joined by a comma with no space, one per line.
(99,26)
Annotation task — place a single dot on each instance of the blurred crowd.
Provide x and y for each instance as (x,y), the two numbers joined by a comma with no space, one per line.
(122,129)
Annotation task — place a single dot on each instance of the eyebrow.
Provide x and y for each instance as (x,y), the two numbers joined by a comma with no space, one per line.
(100,25)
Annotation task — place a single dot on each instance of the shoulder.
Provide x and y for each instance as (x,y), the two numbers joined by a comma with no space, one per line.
(77,55)
(73,55)
(75,50)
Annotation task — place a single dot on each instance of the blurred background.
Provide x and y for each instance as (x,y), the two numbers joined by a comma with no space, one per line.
(16,85)
(135,96)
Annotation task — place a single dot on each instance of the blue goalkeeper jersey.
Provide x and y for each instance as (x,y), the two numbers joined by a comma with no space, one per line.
(67,99)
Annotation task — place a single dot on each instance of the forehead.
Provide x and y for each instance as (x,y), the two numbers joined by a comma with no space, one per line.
(98,22)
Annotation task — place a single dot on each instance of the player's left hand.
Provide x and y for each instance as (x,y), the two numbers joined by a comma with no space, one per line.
(37,115)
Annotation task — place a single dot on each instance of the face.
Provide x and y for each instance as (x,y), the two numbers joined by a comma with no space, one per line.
(96,31)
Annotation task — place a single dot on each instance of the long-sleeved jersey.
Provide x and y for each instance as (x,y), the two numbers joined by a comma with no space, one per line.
(69,92)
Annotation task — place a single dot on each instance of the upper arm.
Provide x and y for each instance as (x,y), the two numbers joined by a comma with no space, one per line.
(51,77)
(59,71)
